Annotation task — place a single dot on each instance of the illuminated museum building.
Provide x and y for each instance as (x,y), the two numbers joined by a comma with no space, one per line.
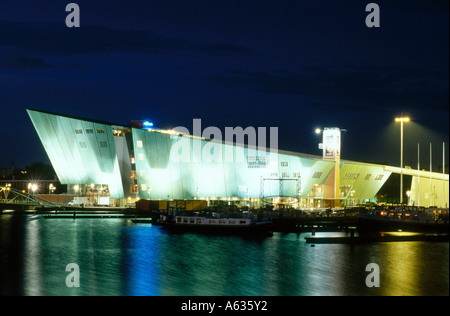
(142,162)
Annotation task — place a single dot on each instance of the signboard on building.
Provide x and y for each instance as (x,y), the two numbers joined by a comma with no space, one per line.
(331,143)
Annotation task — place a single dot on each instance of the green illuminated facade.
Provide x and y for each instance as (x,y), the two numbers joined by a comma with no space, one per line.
(129,163)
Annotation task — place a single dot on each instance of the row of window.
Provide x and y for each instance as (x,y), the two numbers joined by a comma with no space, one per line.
(354,176)
(90,131)
(351,176)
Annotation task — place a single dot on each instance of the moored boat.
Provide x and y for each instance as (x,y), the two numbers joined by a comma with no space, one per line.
(406,219)
(215,225)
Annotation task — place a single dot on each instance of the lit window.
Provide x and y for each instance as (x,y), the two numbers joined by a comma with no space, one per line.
(100,130)
(139,144)
(90,131)
(117,132)
(141,156)
(79,131)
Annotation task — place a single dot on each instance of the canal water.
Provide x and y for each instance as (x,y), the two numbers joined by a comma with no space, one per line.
(117,257)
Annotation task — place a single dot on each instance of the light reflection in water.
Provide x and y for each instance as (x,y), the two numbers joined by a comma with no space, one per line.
(32,262)
(120,258)
(141,263)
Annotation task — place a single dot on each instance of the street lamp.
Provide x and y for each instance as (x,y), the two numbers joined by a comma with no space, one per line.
(51,188)
(401,120)
(34,188)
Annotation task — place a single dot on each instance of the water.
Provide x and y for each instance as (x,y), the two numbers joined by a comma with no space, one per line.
(117,257)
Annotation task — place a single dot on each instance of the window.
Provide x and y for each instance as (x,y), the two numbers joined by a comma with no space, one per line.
(103,144)
(141,156)
(368,176)
(79,131)
(100,130)
(296,175)
(134,188)
(139,144)
(284,164)
(379,177)
(90,131)
(285,175)
(317,175)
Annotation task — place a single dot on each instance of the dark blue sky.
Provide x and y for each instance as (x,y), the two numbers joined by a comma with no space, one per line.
(296,65)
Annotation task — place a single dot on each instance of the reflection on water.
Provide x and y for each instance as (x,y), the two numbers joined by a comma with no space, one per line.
(117,257)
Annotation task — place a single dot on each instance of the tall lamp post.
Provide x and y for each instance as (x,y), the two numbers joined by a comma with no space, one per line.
(401,120)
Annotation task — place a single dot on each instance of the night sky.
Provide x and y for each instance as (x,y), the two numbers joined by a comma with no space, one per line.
(296,65)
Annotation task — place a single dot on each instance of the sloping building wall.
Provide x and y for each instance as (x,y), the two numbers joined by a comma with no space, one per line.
(81,151)
(361,181)
(182,167)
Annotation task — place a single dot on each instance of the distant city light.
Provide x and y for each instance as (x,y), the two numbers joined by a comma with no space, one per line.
(318,131)
(147,124)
